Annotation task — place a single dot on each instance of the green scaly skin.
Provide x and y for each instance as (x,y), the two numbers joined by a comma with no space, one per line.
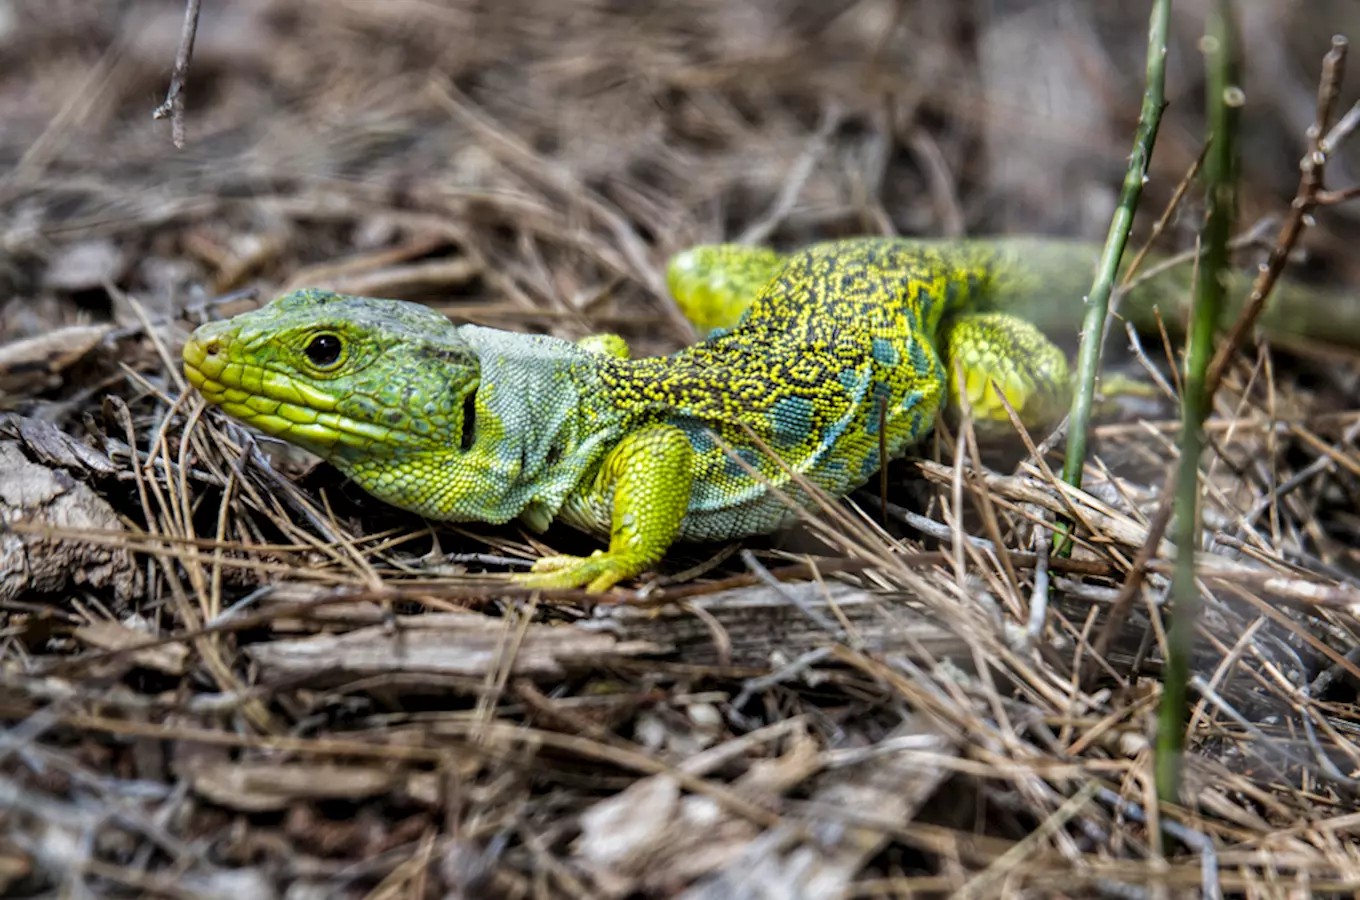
(843,348)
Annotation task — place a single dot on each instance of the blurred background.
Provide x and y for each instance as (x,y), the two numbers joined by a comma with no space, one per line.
(532,164)
(535,158)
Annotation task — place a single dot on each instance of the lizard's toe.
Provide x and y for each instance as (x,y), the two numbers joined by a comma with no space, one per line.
(561,563)
(597,573)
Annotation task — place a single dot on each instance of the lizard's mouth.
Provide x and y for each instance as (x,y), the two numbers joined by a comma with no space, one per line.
(274,401)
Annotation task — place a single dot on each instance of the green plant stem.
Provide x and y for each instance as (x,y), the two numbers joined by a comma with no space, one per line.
(1098,300)
(1223,98)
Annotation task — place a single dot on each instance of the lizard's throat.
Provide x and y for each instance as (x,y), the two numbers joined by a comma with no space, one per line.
(534,436)
(505,474)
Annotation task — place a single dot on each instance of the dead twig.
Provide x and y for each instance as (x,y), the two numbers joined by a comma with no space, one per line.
(179,76)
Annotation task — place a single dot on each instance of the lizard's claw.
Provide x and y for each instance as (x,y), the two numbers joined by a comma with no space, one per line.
(597,573)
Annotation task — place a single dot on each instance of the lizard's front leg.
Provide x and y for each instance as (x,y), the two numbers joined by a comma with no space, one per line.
(648,475)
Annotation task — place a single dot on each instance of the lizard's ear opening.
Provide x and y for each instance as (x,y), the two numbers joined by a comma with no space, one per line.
(468,436)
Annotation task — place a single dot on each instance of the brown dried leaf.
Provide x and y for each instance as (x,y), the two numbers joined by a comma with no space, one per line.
(32,364)
(51,446)
(108,635)
(651,835)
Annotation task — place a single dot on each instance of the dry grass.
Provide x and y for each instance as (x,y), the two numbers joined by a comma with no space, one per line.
(245,678)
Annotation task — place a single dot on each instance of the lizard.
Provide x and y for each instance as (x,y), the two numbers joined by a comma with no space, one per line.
(815,363)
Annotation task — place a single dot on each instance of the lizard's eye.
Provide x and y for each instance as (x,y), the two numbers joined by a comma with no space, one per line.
(323,350)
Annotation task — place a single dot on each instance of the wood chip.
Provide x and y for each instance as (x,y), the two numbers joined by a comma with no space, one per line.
(109,635)
(265,787)
(466,644)
(50,446)
(651,835)
(36,495)
(759,625)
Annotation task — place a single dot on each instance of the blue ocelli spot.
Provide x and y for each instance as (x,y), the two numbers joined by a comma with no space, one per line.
(884,352)
(792,419)
(920,359)
(699,436)
(911,400)
(870,464)
(733,469)
(917,422)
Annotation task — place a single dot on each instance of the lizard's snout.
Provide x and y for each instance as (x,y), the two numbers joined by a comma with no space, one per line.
(205,356)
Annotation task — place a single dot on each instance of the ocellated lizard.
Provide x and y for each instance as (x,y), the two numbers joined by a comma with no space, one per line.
(842,351)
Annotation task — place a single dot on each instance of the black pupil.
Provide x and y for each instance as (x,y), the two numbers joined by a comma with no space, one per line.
(324,349)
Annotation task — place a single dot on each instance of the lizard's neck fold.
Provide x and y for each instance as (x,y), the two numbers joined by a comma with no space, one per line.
(533,427)
(540,425)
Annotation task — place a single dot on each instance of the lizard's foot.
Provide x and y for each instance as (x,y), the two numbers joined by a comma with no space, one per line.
(1001,355)
(597,573)
(1116,388)
(647,477)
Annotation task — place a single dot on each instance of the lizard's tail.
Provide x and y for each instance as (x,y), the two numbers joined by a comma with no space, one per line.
(1295,310)
(1044,280)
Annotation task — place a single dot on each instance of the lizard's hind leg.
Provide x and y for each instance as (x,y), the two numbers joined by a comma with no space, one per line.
(996,350)
(714,283)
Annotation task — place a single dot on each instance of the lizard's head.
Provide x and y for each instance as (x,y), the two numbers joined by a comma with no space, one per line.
(400,400)
(353,380)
